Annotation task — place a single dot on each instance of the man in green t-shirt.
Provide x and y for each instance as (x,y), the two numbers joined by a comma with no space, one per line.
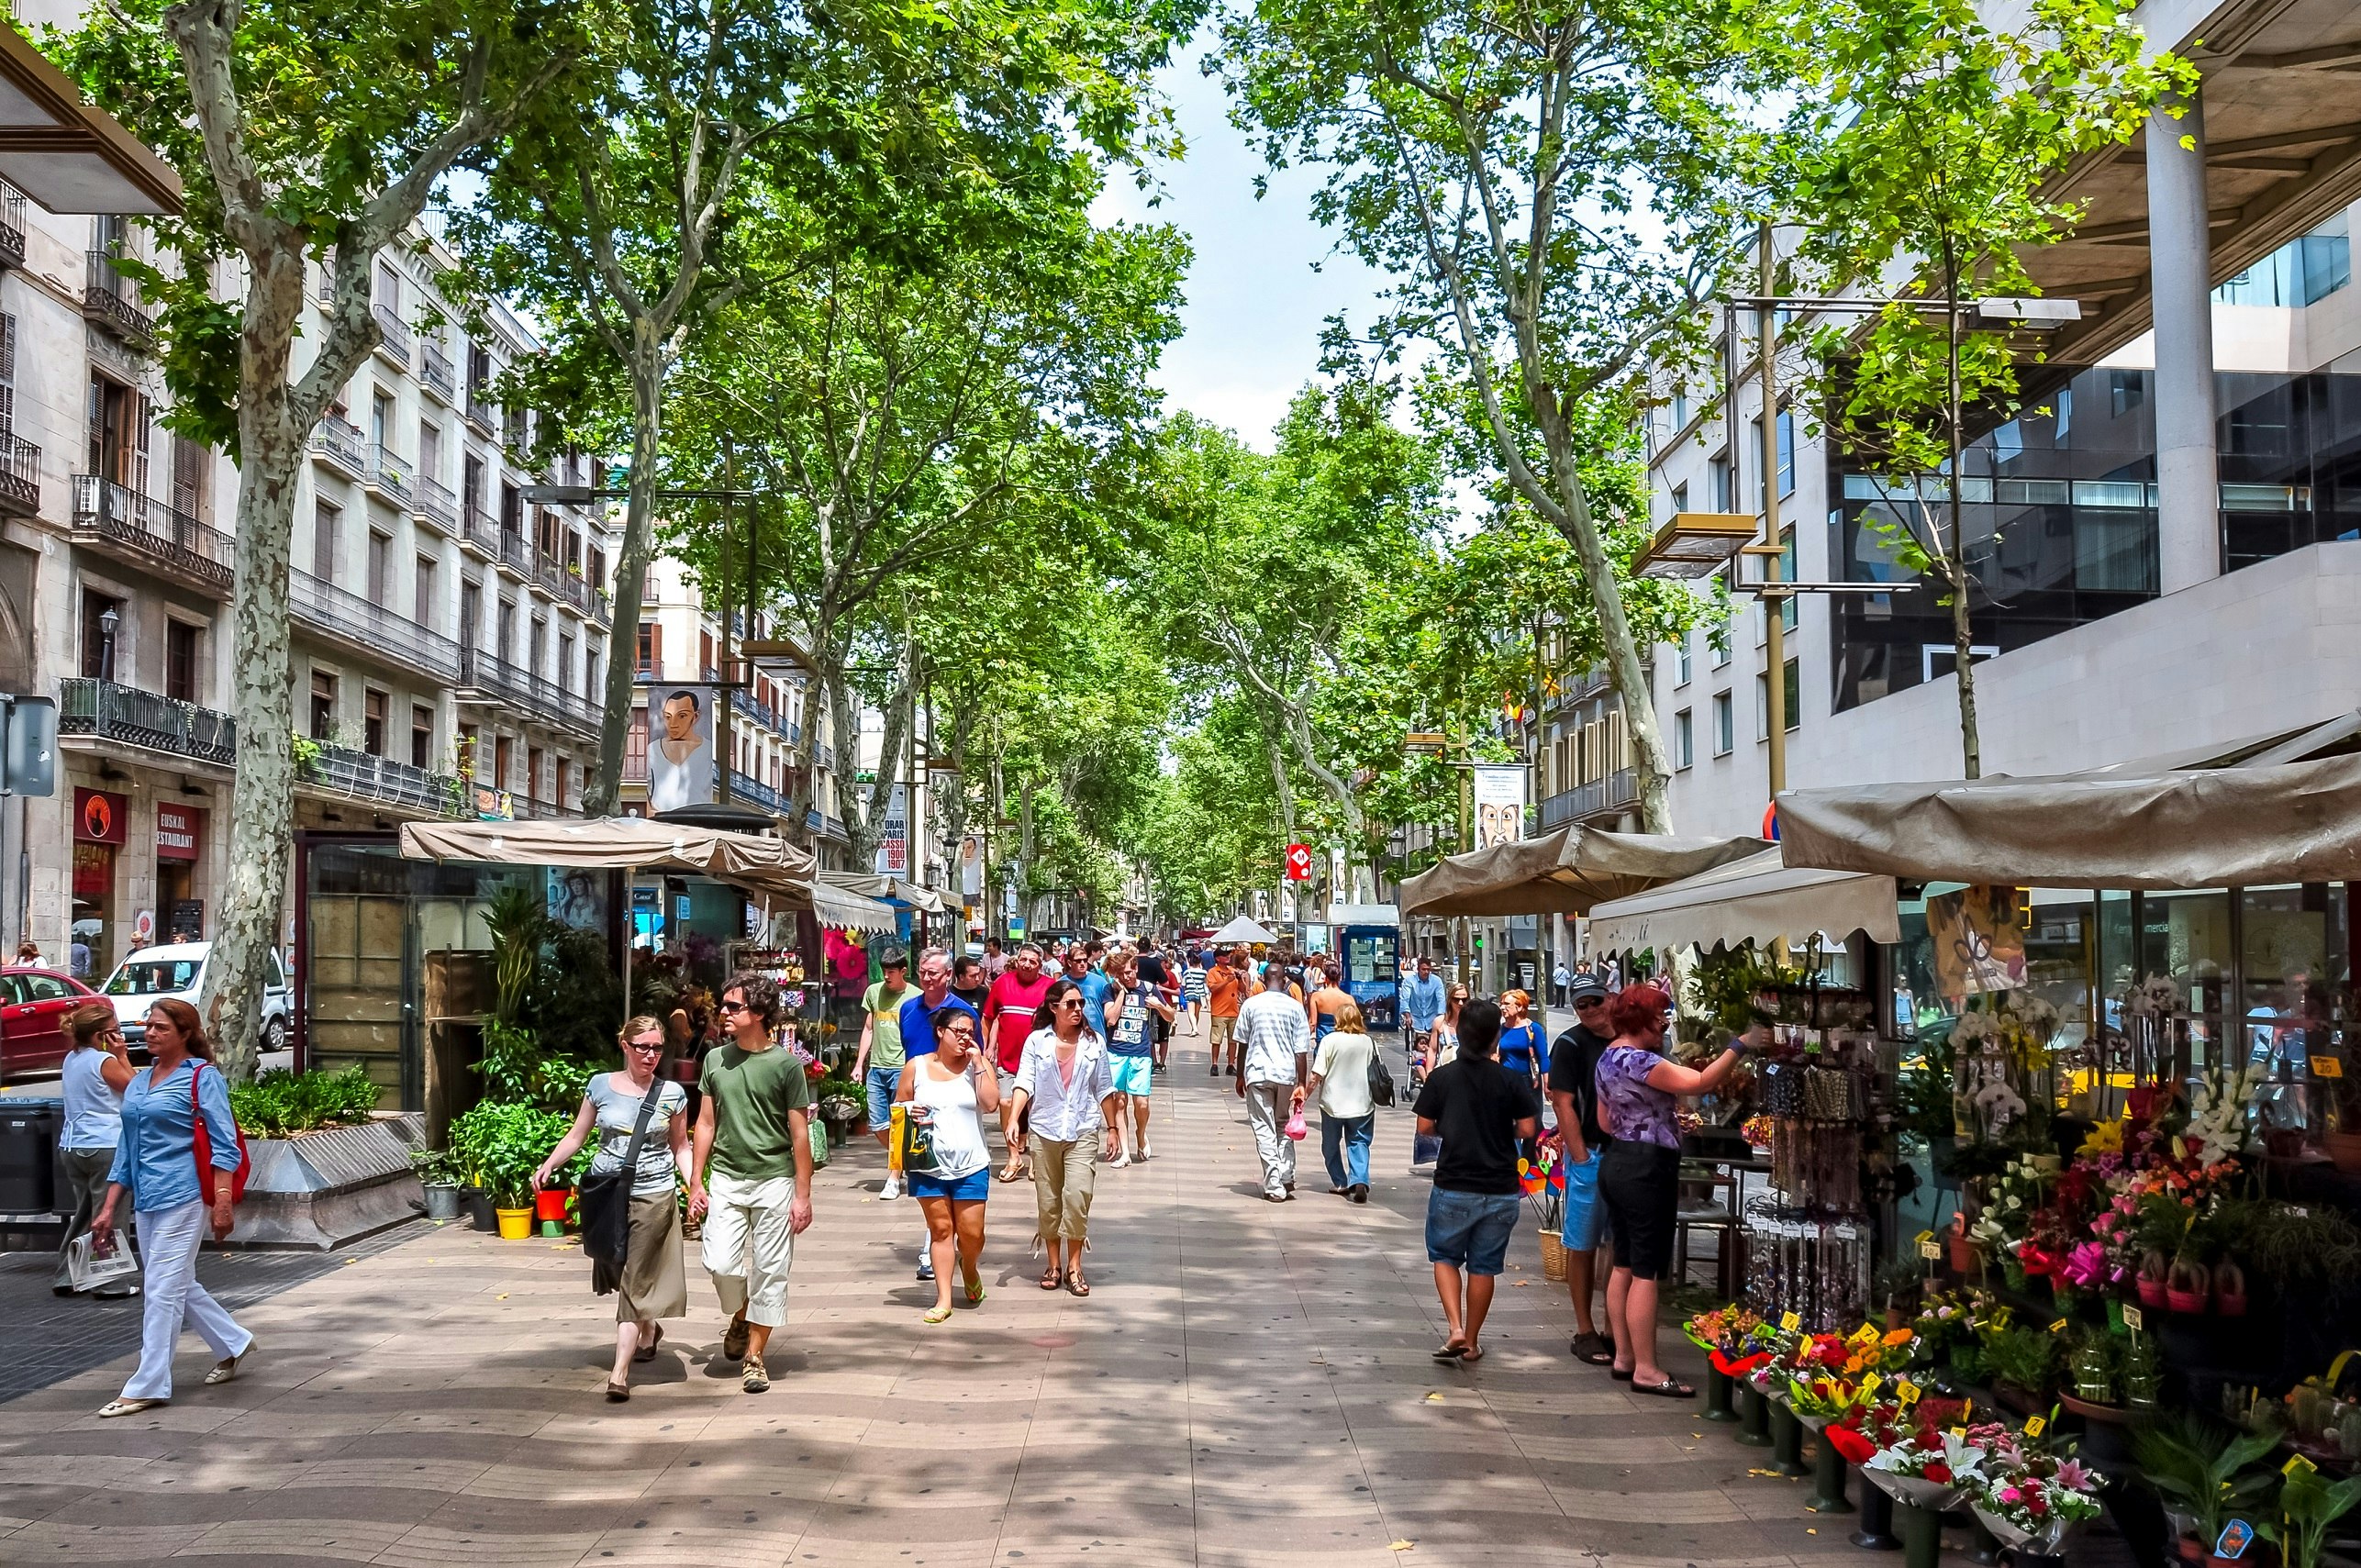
(752,1178)
(878,1064)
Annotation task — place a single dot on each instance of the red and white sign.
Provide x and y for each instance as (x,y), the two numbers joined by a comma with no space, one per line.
(180,832)
(100,817)
(1298,862)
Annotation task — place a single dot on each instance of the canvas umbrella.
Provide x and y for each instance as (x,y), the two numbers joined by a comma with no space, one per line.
(1243,929)
(1564,872)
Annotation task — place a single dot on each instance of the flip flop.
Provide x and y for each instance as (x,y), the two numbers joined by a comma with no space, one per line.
(1670,1388)
(1592,1349)
(1450,1351)
(975,1294)
(937,1315)
(1621,1375)
(1469,1357)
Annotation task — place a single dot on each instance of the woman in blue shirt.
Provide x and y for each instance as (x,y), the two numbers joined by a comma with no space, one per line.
(156,1163)
(1524,1054)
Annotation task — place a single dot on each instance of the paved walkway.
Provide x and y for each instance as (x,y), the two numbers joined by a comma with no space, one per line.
(1248,1384)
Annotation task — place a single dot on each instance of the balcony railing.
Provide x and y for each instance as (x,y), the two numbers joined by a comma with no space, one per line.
(762,713)
(516,552)
(20,476)
(112,300)
(435,373)
(371,628)
(389,474)
(393,334)
(481,412)
(1616,790)
(476,528)
(124,523)
(745,787)
(437,504)
(135,718)
(12,225)
(359,775)
(498,679)
(339,441)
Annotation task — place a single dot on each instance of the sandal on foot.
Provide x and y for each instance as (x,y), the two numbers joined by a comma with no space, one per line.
(1052,1277)
(114,1407)
(1592,1349)
(1670,1388)
(1450,1351)
(646,1352)
(616,1393)
(937,1315)
(975,1292)
(1620,1373)
(1078,1286)
(1010,1171)
(1470,1357)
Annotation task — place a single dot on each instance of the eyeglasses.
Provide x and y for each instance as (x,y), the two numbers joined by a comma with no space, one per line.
(733,1008)
(647,1045)
(1069,1001)
(1582,1002)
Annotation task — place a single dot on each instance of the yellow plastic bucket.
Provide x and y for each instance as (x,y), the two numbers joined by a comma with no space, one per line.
(516,1224)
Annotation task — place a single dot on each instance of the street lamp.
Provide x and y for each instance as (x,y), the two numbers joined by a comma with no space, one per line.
(1694,544)
(107,621)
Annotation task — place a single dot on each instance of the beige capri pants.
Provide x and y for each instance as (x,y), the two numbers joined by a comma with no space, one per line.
(1064,1176)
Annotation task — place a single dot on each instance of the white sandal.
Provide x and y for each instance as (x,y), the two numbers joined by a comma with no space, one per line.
(223,1371)
(114,1407)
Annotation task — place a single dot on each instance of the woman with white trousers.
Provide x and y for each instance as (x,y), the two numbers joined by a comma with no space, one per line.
(156,1162)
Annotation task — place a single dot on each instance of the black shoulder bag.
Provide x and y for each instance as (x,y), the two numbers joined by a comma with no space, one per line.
(604,1200)
(1381,1079)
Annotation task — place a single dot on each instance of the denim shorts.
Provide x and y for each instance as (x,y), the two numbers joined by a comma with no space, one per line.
(1470,1230)
(881,1083)
(1583,1228)
(973,1187)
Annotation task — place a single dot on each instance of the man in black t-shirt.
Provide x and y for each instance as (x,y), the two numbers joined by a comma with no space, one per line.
(1481,1112)
(1573,1093)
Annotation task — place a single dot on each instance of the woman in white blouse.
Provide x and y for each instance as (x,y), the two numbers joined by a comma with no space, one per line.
(1066,1083)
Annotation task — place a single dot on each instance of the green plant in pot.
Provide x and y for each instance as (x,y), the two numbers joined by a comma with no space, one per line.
(2200,1470)
(2309,1504)
(2024,1359)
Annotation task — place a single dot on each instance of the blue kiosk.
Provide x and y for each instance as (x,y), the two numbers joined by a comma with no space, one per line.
(1367,938)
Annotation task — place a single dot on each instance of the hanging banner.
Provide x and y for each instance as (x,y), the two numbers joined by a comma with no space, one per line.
(1499,795)
(680,749)
(894,848)
(1298,862)
(970,865)
(1977,935)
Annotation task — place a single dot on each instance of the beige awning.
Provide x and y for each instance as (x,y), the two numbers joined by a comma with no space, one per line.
(840,906)
(1757,899)
(65,154)
(749,861)
(2180,827)
(888,887)
(1563,872)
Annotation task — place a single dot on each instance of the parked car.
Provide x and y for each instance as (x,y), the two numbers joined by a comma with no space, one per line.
(32,1001)
(177,970)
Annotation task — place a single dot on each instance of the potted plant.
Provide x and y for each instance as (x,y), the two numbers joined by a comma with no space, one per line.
(2309,1504)
(439,1176)
(2199,1469)
(2023,1362)
(2189,1286)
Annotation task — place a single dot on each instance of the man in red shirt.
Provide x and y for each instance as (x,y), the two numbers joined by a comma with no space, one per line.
(1009,1018)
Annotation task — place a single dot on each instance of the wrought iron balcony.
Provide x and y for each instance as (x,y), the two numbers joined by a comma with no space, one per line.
(338,441)
(112,300)
(20,476)
(12,225)
(481,412)
(372,629)
(478,530)
(1615,792)
(342,771)
(745,787)
(134,717)
(516,552)
(146,532)
(389,475)
(435,373)
(392,335)
(495,680)
(437,505)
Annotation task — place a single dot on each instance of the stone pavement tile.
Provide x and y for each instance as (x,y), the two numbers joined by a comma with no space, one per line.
(79,1471)
(853,1528)
(721,1533)
(776,1480)
(509,1423)
(90,1541)
(431,1473)
(1290,1530)
(21,1504)
(1021,1547)
(437,1545)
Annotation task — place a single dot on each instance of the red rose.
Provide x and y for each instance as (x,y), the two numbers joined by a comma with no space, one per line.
(1939,1472)
(1856,1448)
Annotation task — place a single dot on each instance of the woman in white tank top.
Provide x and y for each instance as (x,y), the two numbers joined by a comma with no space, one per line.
(947,1093)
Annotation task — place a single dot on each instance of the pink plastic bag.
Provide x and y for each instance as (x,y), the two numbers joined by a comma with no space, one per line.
(1296,1127)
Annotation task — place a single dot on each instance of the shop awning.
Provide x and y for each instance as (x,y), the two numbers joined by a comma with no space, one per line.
(65,154)
(835,905)
(1243,929)
(893,889)
(1564,873)
(2185,828)
(1757,899)
(747,861)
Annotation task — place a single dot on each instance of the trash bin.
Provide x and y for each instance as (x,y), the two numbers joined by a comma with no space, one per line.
(28,1142)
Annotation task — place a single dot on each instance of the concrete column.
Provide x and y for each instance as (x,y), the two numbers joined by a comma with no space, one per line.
(2189,518)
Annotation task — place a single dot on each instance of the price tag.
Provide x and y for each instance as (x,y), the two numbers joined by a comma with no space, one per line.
(2058,1326)
(1866,1334)
(2298,1464)
(1929,1251)
(1869,1384)
(2327,1067)
(2036,1425)
(1959,1432)
(1924,1237)
(1790,1321)
(2132,1320)
(1907,1392)
(1966,1409)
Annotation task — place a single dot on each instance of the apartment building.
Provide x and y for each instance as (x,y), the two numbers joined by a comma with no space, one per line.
(448,639)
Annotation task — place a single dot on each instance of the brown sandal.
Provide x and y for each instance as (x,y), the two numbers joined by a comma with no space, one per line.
(616,1393)
(1078,1285)
(1052,1277)
(646,1352)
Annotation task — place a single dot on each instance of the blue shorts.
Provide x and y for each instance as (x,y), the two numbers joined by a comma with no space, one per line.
(1133,1075)
(881,1083)
(1585,1228)
(1470,1230)
(973,1187)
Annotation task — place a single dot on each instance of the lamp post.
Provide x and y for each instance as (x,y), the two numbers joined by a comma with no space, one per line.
(107,621)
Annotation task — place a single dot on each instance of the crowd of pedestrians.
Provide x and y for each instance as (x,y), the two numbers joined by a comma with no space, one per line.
(1058,1049)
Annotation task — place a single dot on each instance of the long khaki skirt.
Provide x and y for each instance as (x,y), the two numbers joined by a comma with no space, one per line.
(653,1284)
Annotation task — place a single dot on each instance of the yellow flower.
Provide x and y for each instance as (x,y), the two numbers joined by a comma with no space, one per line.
(1898,1336)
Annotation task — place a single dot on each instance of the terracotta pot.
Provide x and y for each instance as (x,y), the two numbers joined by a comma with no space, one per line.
(1962,1255)
(2191,1548)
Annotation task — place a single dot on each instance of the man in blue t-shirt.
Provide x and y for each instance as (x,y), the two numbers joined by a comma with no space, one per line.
(1129,1012)
(1096,986)
(918,1037)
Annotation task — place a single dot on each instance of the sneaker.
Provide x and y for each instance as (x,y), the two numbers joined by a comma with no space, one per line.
(1117,1162)
(734,1340)
(891,1189)
(1142,1157)
(1213,1069)
(756,1378)
(926,1264)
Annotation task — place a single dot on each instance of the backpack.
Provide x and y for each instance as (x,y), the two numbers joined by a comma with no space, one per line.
(203,1145)
(1381,1081)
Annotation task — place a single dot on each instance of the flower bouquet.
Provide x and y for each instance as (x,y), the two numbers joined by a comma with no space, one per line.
(1926,1466)
(2032,1500)
(1723,1328)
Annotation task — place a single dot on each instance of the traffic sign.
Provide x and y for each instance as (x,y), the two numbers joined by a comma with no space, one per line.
(1298,862)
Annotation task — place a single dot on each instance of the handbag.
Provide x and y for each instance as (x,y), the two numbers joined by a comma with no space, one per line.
(1381,1081)
(603,1200)
(917,1144)
(202,1142)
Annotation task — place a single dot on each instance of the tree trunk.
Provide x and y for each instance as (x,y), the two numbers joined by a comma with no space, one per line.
(864,820)
(632,569)
(261,814)
(1962,631)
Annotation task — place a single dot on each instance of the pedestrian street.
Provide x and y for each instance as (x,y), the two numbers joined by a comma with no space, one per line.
(1248,1383)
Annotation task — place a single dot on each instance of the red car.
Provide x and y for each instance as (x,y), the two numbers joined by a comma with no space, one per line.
(33,1004)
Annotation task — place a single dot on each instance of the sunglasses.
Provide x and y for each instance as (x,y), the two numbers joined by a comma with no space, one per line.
(1582,1002)
(733,1007)
(1069,1001)
(647,1045)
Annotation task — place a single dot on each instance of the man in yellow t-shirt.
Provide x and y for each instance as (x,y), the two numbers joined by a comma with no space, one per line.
(878,1064)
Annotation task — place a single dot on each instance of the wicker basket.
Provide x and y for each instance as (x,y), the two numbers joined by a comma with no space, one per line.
(1552,1254)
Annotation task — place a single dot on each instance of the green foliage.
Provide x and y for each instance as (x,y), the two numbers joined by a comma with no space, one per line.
(2199,1468)
(499,1145)
(518,1069)
(576,998)
(279,1102)
(2309,1504)
(2024,1357)
(518,916)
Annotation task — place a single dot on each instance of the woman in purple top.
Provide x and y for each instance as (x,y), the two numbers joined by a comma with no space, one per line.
(1639,1175)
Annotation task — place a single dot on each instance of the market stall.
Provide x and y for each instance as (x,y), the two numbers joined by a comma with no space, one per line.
(1564,873)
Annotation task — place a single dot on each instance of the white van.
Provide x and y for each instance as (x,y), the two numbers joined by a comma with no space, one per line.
(177,970)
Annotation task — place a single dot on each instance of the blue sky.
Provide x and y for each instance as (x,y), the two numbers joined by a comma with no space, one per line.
(1251,329)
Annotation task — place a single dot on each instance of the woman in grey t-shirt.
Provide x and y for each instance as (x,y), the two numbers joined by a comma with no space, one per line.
(653,1285)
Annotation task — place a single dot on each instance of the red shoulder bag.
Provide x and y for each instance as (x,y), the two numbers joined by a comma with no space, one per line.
(204,1141)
